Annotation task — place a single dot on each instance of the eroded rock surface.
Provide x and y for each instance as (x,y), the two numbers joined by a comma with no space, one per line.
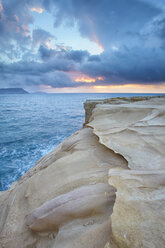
(138,219)
(136,130)
(64,200)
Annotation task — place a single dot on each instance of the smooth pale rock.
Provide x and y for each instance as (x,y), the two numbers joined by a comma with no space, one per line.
(136,130)
(89,105)
(64,200)
(138,218)
(80,203)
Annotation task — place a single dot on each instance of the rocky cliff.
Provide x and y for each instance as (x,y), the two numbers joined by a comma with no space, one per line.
(102,187)
(135,130)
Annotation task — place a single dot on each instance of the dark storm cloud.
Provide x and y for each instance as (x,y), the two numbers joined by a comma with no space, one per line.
(155,29)
(59,79)
(134,66)
(94,58)
(132,33)
(51,71)
(46,53)
(54,79)
(77,55)
(32,73)
(60,53)
(35,68)
(107,21)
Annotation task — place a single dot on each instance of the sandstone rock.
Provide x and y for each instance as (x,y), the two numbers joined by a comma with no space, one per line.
(89,105)
(138,218)
(64,200)
(136,130)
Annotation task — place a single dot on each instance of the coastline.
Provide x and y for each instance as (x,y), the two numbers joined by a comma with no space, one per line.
(69,195)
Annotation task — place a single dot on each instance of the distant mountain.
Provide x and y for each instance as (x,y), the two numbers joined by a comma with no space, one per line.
(13,91)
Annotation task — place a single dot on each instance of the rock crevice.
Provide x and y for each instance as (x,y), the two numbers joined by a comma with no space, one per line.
(136,130)
(64,200)
(103,187)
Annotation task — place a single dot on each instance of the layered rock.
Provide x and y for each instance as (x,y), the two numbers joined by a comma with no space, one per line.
(138,218)
(64,200)
(136,130)
(89,105)
(103,187)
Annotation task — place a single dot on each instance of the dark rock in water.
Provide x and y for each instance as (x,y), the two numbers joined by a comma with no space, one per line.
(13,91)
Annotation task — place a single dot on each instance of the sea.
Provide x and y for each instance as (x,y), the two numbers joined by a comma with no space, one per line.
(32,125)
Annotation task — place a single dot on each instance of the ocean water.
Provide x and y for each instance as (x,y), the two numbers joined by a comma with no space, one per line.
(32,125)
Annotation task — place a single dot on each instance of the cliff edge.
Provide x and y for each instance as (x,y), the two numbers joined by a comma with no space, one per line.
(102,187)
(135,130)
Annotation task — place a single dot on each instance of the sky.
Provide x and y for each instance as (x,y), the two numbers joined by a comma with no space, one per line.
(83,45)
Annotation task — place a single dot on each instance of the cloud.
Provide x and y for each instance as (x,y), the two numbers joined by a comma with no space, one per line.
(42,37)
(37,9)
(14,21)
(77,55)
(153,33)
(95,58)
(63,53)
(131,34)
(135,65)
(106,22)
(46,53)
(32,73)
(35,68)
(109,68)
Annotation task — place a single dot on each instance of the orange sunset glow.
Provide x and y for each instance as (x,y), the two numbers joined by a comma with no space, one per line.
(130,88)
(37,9)
(85,79)
(127,88)
(100,78)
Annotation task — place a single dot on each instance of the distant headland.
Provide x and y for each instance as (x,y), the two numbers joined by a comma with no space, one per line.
(13,91)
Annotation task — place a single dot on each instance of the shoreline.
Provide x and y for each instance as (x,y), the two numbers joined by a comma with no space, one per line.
(69,195)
